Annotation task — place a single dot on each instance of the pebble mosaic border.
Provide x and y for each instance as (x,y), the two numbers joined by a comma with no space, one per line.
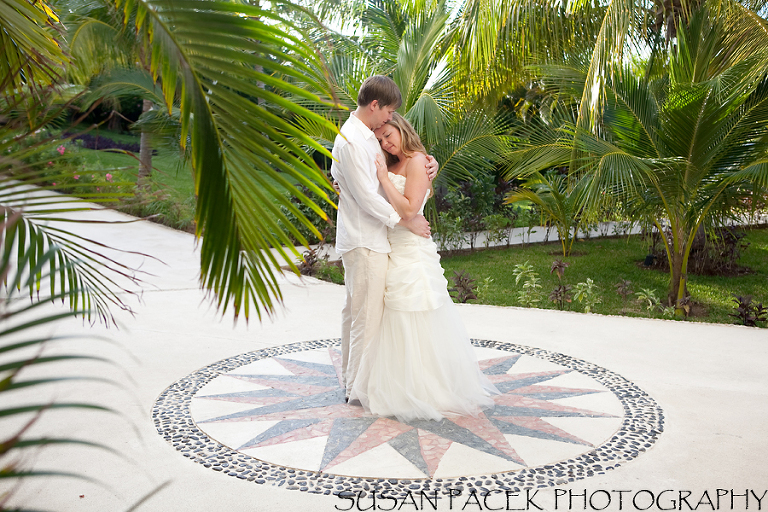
(642,425)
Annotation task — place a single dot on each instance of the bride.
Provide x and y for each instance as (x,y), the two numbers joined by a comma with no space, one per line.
(422,366)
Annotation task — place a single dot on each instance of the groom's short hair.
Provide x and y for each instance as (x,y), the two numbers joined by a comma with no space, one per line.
(381,88)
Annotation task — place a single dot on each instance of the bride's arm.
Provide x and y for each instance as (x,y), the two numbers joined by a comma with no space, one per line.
(416,186)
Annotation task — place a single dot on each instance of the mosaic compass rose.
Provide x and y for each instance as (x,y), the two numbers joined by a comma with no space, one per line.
(300,398)
(279,416)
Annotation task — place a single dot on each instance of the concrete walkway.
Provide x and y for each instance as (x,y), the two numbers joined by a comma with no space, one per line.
(709,380)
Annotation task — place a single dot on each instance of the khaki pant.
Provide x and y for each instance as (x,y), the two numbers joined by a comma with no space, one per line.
(364,277)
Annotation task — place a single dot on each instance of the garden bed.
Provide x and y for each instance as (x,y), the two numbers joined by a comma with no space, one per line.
(607,261)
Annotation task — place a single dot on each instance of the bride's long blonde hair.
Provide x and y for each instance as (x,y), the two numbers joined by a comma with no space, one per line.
(410,142)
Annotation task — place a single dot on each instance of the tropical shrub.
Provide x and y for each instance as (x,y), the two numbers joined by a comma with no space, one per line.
(530,295)
(747,312)
(448,232)
(587,293)
(464,287)
(559,201)
(498,229)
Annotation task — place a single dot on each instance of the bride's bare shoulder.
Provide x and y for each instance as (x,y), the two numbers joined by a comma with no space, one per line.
(417,162)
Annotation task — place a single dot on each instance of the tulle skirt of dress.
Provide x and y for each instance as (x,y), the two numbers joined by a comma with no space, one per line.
(422,366)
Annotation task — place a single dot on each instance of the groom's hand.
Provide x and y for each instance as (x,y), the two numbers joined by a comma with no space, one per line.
(432,167)
(418,225)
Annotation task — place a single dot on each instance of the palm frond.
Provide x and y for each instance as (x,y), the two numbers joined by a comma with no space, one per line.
(97,46)
(22,348)
(387,24)
(560,201)
(210,55)
(495,41)
(120,82)
(608,48)
(420,51)
(631,119)
(428,118)
(81,271)
(30,52)
(473,144)
(537,146)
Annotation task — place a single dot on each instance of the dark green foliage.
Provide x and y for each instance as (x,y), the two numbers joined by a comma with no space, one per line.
(499,229)
(448,232)
(473,206)
(326,228)
(712,253)
(330,271)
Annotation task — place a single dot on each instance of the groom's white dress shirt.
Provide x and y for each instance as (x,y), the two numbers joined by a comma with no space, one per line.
(364,213)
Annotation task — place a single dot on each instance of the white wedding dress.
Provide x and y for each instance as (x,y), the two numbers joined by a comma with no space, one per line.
(422,366)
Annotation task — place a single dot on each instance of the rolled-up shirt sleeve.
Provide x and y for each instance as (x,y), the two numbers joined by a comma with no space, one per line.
(362,184)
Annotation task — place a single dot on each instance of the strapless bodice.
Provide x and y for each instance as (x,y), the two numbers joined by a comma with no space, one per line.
(398,181)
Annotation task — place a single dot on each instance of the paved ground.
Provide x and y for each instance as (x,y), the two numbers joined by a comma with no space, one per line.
(709,381)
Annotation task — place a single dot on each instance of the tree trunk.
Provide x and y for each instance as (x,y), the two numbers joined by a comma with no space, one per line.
(145,153)
(678,286)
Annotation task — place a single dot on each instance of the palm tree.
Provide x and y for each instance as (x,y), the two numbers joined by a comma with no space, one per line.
(409,40)
(686,147)
(559,201)
(497,40)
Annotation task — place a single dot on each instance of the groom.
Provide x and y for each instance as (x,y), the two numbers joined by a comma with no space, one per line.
(363,217)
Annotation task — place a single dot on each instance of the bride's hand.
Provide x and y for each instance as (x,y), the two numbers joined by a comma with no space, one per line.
(381,168)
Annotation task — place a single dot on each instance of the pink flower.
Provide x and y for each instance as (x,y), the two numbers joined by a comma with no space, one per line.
(61,149)
(109,177)
(76,176)
(98,189)
(54,183)
(50,163)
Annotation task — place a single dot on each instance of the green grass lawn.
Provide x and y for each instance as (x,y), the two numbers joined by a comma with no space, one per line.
(168,171)
(606,261)
(172,197)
